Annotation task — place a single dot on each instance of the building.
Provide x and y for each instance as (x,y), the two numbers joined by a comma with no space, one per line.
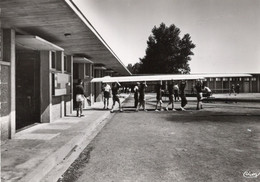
(45,47)
(222,82)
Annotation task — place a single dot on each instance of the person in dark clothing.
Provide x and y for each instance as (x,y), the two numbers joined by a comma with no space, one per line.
(199,89)
(170,91)
(232,90)
(159,96)
(80,97)
(142,96)
(182,95)
(115,88)
(237,89)
(136,94)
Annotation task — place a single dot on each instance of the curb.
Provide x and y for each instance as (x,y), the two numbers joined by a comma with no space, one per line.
(233,100)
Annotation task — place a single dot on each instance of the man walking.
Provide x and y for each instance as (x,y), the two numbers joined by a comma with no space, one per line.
(115,88)
(182,94)
(142,96)
(199,88)
(170,91)
(159,97)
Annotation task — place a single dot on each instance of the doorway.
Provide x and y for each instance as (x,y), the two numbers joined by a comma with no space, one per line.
(27,88)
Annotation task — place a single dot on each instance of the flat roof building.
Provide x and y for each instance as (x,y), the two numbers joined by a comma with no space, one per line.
(45,48)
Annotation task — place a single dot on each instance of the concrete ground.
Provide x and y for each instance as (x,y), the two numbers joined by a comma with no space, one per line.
(219,143)
(44,151)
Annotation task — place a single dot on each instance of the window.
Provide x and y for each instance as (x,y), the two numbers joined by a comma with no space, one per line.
(53,83)
(246,79)
(65,63)
(53,60)
(225,79)
(87,69)
(253,79)
(218,79)
(211,79)
(59,56)
(230,79)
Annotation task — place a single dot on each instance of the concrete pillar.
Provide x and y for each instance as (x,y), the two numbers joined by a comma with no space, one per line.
(45,86)
(229,84)
(9,92)
(70,70)
(222,87)
(250,85)
(258,82)
(215,85)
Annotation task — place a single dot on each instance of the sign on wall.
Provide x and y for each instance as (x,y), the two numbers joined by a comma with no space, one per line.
(62,85)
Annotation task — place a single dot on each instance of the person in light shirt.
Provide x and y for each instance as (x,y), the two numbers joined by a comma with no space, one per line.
(136,94)
(107,90)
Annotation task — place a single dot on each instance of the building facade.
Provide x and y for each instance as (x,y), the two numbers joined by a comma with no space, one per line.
(45,48)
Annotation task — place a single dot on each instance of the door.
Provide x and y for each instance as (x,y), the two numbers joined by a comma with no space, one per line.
(27,89)
(246,87)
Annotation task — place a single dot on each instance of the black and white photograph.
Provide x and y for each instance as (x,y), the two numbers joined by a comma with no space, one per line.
(130,90)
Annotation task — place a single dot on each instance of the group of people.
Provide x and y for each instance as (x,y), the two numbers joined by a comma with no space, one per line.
(107,90)
(175,91)
(234,89)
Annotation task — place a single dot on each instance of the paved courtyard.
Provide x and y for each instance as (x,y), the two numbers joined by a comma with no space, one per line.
(219,143)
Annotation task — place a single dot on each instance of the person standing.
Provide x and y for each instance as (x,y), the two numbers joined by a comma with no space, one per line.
(237,89)
(107,91)
(80,97)
(136,94)
(182,95)
(176,92)
(199,88)
(115,88)
(159,97)
(232,90)
(142,96)
(170,91)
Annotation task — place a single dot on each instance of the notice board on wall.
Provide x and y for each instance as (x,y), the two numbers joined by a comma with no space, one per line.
(61,84)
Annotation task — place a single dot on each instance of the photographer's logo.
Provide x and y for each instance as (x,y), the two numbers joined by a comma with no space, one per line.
(251,174)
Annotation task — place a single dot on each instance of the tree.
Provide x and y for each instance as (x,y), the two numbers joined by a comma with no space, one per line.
(166,52)
(134,69)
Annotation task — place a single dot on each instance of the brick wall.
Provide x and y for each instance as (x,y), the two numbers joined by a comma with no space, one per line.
(1,57)
(4,92)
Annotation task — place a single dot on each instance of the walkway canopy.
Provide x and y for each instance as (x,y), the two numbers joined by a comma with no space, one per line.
(168,77)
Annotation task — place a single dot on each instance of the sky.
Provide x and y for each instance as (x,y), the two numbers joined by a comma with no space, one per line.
(226,32)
